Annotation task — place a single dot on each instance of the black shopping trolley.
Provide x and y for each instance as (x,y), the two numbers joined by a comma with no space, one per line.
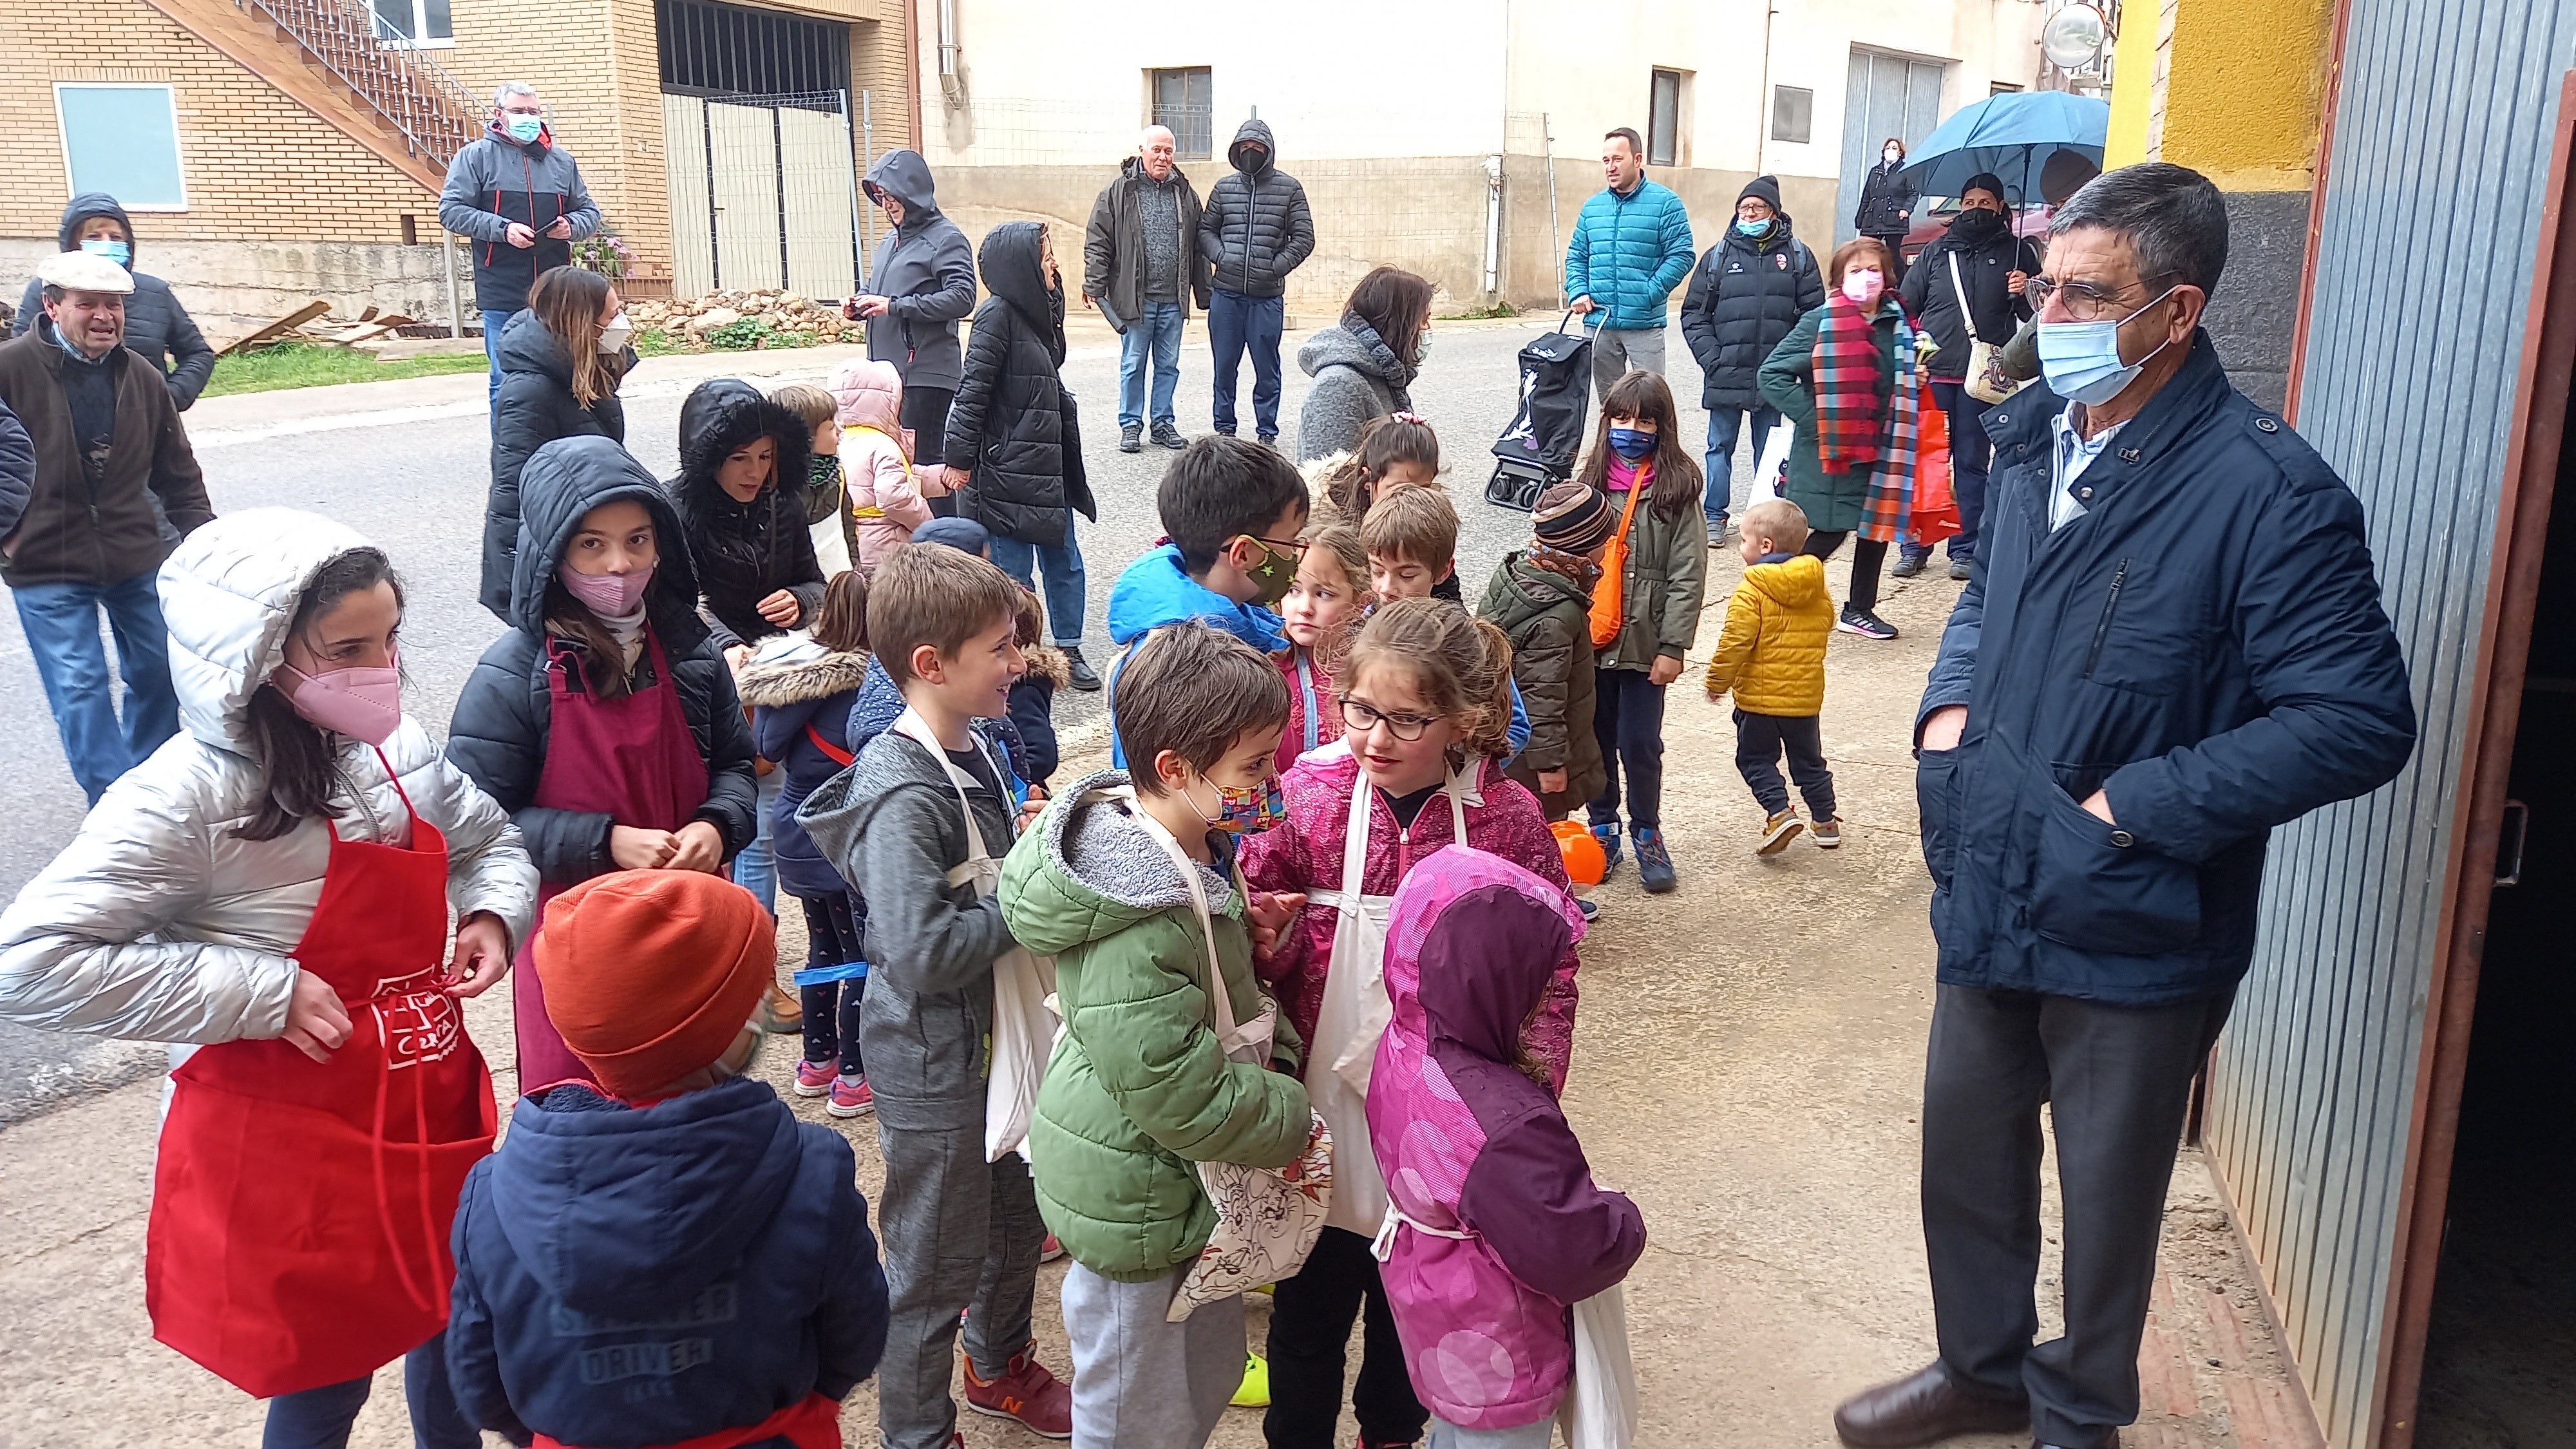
(1546,433)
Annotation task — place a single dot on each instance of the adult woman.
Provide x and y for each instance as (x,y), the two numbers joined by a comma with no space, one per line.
(1886,208)
(561,361)
(278,887)
(155,324)
(923,283)
(1847,377)
(1362,366)
(1966,287)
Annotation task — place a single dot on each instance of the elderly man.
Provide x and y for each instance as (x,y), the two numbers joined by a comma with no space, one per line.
(2172,643)
(519,198)
(102,437)
(1256,231)
(1631,247)
(1142,268)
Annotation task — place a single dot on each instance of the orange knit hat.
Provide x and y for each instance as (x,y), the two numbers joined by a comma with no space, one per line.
(651,974)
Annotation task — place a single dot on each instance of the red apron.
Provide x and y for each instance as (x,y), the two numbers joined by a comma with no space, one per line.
(300,1209)
(631,759)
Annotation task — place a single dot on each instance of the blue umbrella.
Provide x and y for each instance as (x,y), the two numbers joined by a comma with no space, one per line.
(2011,135)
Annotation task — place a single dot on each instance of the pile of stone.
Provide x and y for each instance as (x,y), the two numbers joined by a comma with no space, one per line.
(691,320)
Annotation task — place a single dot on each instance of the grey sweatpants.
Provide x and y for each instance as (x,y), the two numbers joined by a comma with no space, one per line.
(959,1234)
(1617,349)
(1141,1383)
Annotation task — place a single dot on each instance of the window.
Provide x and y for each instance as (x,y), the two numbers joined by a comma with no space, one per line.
(1664,111)
(1793,113)
(1181,102)
(413,22)
(2001,88)
(123,140)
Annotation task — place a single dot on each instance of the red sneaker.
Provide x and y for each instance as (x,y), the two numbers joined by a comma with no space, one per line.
(1050,1250)
(814,1079)
(850,1098)
(1026,1391)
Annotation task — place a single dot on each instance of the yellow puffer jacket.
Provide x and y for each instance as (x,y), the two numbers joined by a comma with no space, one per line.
(1773,651)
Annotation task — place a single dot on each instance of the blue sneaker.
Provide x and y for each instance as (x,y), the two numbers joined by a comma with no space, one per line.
(1654,863)
(1590,911)
(1608,835)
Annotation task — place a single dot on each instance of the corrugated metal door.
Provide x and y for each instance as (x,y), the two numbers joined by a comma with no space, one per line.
(2443,125)
(764,193)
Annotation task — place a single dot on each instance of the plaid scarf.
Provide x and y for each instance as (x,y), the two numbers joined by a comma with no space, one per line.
(1888,512)
(1846,381)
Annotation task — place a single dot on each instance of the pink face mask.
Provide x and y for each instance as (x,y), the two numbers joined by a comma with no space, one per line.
(364,704)
(1863,284)
(611,596)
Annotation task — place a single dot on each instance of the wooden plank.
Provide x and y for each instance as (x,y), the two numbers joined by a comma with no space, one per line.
(273,330)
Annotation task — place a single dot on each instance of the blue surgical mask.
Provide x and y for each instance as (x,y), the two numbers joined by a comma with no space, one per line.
(115,251)
(1632,443)
(2081,360)
(524,129)
(1754,228)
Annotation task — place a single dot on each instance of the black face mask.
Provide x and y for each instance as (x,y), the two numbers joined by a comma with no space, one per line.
(1977,224)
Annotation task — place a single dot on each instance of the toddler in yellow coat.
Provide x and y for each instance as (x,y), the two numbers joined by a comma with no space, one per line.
(1772,655)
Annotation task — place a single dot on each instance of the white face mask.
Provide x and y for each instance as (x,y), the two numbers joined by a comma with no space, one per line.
(1891,155)
(613,335)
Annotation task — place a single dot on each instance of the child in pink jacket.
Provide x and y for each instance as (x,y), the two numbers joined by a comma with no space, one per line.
(885,490)
(1499,1227)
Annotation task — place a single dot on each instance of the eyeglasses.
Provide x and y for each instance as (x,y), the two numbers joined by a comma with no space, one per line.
(1295,548)
(2084,301)
(1359,717)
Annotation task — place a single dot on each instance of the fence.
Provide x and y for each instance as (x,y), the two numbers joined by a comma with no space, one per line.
(764,193)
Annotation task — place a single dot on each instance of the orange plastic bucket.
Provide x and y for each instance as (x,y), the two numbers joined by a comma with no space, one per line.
(1584,862)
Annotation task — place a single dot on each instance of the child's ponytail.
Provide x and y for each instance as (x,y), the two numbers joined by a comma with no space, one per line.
(1462,665)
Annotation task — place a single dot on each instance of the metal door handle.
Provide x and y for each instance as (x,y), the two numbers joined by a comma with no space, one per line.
(2510,833)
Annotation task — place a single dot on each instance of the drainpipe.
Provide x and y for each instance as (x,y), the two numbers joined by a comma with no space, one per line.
(1493,225)
(455,308)
(948,84)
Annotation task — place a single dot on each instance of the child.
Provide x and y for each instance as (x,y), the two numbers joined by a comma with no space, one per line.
(1540,598)
(1773,656)
(250,885)
(1397,451)
(1145,1083)
(1322,611)
(584,719)
(1411,536)
(1645,609)
(1424,700)
(1500,1225)
(674,1226)
(1232,511)
(800,717)
(827,508)
(886,492)
(912,826)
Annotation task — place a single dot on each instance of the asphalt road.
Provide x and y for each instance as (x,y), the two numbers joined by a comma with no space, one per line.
(407,464)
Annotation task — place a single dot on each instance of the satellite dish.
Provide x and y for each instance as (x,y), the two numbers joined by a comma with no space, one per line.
(2074,36)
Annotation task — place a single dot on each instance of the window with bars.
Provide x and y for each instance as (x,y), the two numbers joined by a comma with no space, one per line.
(714,49)
(1183,102)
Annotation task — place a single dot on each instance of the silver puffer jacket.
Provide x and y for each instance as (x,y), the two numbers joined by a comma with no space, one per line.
(157,922)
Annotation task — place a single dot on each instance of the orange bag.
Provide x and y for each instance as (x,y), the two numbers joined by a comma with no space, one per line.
(1585,861)
(1609,606)
(1936,497)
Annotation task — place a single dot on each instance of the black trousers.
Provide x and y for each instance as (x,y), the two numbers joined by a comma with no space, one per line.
(2117,1080)
(1628,720)
(1760,739)
(1310,1331)
(925,411)
(1867,557)
(832,1008)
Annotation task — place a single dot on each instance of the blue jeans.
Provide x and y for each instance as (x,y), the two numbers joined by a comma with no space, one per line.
(754,868)
(1064,580)
(61,622)
(493,322)
(1725,425)
(1235,322)
(1972,453)
(1160,330)
(320,1418)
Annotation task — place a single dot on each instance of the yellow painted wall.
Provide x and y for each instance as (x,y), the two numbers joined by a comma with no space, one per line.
(2133,79)
(2241,90)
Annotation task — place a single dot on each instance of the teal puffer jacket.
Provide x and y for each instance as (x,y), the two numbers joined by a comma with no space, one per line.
(1628,254)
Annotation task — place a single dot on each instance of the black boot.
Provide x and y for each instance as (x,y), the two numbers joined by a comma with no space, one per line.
(1079,672)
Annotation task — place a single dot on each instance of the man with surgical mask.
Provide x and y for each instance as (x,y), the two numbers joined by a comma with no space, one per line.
(518,198)
(2171,643)
(156,325)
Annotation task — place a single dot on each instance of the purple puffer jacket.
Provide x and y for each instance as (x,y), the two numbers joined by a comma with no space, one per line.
(1504,1226)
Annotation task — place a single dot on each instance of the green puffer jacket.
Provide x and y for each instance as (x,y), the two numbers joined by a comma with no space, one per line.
(1667,583)
(1138,1090)
(1831,501)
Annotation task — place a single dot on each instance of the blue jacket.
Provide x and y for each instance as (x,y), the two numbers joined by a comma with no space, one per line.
(1027,735)
(1155,591)
(646,1275)
(2205,645)
(1628,254)
(787,698)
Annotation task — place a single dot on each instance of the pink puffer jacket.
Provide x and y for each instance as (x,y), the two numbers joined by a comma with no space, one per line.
(884,491)
(1501,1224)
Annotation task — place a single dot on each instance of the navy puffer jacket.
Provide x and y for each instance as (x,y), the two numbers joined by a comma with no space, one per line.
(156,325)
(534,407)
(1013,422)
(1745,295)
(1256,228)
(2204,644)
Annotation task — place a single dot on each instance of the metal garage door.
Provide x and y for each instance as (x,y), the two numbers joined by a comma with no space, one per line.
(1890,95)
(764,193)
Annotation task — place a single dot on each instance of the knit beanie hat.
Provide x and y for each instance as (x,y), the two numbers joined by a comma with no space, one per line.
(1573,517)
(650,975)
(963,534)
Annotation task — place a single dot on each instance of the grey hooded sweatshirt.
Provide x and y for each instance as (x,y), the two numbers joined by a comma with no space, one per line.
(926,271)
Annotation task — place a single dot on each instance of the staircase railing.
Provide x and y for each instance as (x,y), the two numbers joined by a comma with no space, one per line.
(434,113)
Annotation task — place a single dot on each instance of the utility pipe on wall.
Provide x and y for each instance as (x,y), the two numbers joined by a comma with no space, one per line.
(1493,224)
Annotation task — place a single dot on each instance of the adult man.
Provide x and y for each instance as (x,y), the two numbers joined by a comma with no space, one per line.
(1631,247)
(1967,287)
(1141,266)
(520,199)
(1744,296)
(2172,643)
(1255,232)
(157,324)
(101,437)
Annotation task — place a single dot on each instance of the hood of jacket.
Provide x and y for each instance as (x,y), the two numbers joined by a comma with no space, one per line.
(1792,583)
(905,176)
(1354,344)
(1522,590)
(96,203)
(566,479)
(869,395)
(229,592)
(725,413)
(1253,134)
(1155,591)
(794,681)
(1486,936)
(1009,263)
(1099,872)
(526,346)
(623,1211)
